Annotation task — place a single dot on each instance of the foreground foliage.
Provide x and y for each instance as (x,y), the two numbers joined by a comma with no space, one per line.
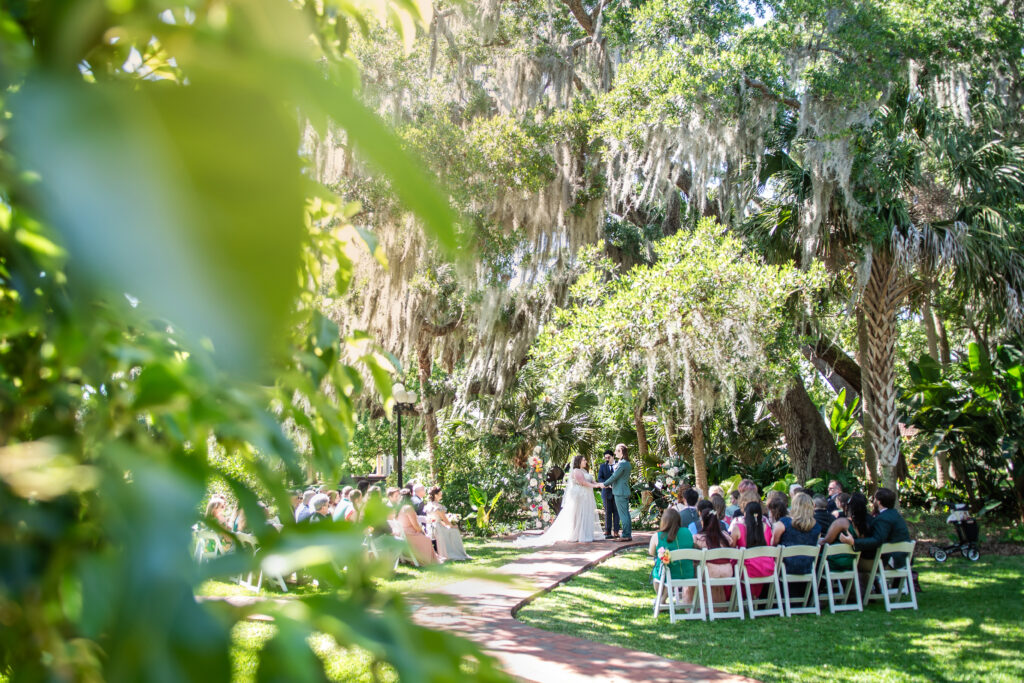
(968,627)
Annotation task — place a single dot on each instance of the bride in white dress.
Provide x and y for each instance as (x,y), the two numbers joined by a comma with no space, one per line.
(578,519)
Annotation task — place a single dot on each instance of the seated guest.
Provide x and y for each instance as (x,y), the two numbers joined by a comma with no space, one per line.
(686,507)
(394,497)
(341,510)
(375,501)
(834,489)
(353,512)
(753,519)
(795,489)
(821,514)
(702,505)
(711,537)
(747,485)
(420,545)
(419,498)
(334,497)
(303,512)
(446,534)
(775,504)
(319,504)
(854,521)
(673,536)
(716,491)
(887,526)
(733,508)
(841,500)
(718,502)
(796,528)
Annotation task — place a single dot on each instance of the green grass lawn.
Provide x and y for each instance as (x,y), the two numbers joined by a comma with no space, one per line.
(355,664)
(970,627)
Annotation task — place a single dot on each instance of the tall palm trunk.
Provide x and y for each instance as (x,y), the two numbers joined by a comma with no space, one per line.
(870,462)
(425,365)
(700,463)
(881,299)
(928,321)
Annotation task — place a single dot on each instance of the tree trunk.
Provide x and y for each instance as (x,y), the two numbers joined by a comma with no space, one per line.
(670,432)
(870,462)
(928,321)
(700,463)
(641,430)
(425,363)
(940,327)
(881,299)
(812,451)
(828,372)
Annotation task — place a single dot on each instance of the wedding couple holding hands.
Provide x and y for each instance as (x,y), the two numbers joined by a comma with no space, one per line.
(577,521)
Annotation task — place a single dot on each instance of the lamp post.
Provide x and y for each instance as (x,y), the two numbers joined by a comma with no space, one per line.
(404,400)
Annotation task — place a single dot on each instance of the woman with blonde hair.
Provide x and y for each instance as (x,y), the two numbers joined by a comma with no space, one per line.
(797,528)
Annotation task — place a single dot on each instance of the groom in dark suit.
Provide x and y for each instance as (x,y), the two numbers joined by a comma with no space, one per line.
(611,513)
(619,484)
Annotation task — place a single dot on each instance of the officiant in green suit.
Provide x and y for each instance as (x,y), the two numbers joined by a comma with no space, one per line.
(619,484)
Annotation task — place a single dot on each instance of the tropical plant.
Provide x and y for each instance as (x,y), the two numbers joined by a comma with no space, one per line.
(842,420)
(974,412)
(482,510)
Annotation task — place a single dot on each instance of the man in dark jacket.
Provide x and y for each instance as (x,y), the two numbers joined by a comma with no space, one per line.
(887,526)
(611,513)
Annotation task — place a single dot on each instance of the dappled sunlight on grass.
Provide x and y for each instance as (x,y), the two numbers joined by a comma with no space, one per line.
(970,626)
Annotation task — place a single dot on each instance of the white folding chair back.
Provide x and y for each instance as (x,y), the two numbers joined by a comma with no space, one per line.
(732,606)
(672,589)
(407,553)
(840,583)
(878,580)
(248,541)
(770,602)
(809,598)
(205,538)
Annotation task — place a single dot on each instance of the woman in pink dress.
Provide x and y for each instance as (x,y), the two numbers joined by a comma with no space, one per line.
(421,546)
(753,519)
(711,537)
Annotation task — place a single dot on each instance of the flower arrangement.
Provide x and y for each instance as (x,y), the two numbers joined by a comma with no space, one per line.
(540,509)
(663,555)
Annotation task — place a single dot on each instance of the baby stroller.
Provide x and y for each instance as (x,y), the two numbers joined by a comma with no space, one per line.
(966,533)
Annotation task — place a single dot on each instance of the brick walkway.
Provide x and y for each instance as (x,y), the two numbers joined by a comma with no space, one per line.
(484,612)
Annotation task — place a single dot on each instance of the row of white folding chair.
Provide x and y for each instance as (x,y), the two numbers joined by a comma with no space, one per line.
(777,599)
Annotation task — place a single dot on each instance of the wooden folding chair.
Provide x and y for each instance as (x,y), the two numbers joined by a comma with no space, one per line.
(733,605)
(762,606)
(673,588)
(811,579)
(846,581)
(878,580)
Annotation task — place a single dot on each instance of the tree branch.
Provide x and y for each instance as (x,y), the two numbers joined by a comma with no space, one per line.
(582,17)
(767,92)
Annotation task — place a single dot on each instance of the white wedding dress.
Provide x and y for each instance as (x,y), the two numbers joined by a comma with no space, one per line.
(578,519)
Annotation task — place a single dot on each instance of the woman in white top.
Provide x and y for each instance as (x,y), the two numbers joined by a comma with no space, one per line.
(577,521)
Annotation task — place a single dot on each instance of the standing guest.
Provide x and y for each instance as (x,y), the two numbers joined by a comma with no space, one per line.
(611,513)
(821,513)
(796,528)
(688,510)
(419,498)
(752,530)
(887,526)
(446,534)
(304,511)
(709,538)
(733,508)
(619,484)
(834,489)
(420,545)
(341,510)
(673,536)
(853,521)
(318,504)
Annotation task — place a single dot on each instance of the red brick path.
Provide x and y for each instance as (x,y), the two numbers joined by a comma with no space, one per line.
(484,612)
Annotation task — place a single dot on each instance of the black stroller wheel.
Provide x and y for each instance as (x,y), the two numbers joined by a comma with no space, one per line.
(939,555)
(971,554)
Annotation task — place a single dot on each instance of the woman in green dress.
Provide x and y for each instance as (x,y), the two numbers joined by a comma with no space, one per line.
(673,536)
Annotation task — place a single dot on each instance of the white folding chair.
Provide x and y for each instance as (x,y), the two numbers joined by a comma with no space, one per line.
(407,553)
(840,583)
(248,541)
(205,538)
(673,588)
(809,598)
(878,586)
(771,595)
(732,606)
